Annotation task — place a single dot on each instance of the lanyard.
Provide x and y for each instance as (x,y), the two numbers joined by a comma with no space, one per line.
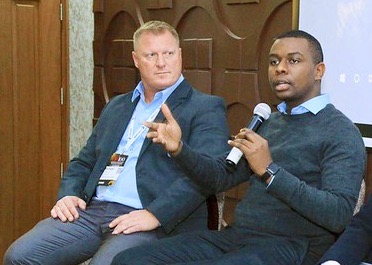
(132,136)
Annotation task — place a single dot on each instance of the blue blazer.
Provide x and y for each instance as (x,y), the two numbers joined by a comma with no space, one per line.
(355,243)
(163,187)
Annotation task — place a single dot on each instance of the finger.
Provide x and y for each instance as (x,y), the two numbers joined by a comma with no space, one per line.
(71,212)
(82,204)
(241,144)
(63,211)
(152,134)
(132,229)
(120,228)
(114,222)
(53,213)
(151,125)
(167,113)
(244,133)
(59,214)
(119,220)
(240,135)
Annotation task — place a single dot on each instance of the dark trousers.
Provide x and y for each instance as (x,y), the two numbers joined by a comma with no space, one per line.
(230,246)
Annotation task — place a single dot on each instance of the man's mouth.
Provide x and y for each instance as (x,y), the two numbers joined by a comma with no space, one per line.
(281,84)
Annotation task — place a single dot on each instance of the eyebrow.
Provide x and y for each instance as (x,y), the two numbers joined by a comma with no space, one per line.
(289,54)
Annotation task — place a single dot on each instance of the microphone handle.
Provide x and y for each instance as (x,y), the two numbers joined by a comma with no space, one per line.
(235,154)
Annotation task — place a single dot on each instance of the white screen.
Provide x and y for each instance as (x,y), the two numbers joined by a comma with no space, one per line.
(344,29)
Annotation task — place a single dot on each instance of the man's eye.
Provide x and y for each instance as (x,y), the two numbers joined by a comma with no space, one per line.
(168,54)
(294,61)
(150,56)
(273,62)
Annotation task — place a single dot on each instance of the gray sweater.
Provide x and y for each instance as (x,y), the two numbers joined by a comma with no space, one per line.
(322,160)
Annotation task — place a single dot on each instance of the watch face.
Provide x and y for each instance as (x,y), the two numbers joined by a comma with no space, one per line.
(272,169)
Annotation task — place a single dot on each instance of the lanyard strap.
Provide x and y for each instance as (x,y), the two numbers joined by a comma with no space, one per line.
(132,137)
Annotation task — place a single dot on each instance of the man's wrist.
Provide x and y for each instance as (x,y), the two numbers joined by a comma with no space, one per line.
(270,172)
(178,150)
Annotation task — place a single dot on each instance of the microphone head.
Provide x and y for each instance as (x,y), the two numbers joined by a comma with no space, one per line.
(263,110)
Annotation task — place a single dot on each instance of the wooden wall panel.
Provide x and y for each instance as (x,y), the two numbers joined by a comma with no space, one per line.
(224,44)
(224,47)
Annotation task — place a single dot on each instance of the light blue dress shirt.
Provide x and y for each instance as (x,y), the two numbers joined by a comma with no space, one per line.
(124,191)
(313,105)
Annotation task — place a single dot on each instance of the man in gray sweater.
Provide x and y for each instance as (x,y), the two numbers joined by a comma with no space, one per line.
(304,165)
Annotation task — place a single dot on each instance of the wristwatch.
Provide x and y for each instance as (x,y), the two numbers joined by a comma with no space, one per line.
(271,170)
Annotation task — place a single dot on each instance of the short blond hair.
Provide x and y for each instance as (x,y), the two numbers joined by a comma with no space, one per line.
(156,27)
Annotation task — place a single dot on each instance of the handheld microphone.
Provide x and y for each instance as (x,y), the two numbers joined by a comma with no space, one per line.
(260,113)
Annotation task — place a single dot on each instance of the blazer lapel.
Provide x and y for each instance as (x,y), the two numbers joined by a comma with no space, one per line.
(123,121)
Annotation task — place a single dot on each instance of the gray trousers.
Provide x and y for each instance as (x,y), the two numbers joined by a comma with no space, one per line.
(52,241)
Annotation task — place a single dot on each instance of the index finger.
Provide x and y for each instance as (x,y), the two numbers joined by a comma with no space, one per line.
(68,208)
(151,125)
(167,113)
(117,220)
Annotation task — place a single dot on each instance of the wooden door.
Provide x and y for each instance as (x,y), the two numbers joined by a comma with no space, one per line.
(33,116)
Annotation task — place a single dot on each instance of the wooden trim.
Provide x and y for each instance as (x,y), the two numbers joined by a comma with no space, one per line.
(65,84)
(295,13)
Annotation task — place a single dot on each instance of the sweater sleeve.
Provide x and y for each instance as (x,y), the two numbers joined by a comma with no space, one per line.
(327,195)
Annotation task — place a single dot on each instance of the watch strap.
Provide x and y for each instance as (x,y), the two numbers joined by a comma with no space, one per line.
(271,170)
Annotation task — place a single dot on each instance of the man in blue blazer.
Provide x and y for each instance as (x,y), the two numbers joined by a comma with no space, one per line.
(355,244)
(122,190)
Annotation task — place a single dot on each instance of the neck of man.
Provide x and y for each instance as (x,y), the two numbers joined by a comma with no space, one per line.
(149,96)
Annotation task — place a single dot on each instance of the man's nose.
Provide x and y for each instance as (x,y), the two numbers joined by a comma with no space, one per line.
(282,66)
(160,60)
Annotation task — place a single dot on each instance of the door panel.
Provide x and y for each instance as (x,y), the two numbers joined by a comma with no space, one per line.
(32,117)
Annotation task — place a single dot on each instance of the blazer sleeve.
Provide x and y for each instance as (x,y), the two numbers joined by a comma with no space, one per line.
(204,126)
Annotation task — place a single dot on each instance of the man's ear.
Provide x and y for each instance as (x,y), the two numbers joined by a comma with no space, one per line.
(320,70)
(135,59)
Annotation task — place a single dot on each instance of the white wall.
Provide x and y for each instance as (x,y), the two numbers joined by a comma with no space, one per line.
(81,28)
(343,27)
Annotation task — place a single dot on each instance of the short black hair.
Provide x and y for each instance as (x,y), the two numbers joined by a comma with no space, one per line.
(314,44)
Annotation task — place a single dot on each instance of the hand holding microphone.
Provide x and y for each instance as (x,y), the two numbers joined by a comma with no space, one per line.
(260,113)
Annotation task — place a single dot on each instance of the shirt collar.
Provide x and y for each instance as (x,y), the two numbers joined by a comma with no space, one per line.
(313,105)
(139,91)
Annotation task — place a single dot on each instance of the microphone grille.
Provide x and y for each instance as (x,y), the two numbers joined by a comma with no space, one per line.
(263,110)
